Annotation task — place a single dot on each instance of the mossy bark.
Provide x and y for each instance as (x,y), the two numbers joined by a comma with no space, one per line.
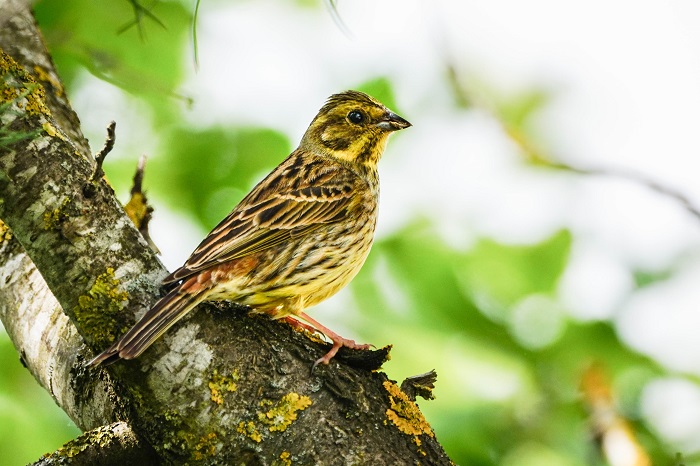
(110,445)
(221,387)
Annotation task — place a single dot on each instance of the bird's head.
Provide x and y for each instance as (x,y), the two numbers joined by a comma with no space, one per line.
(353,127)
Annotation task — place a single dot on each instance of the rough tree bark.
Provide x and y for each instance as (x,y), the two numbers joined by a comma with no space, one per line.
(221,387)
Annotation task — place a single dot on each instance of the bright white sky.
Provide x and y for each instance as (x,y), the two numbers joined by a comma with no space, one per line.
(624,77)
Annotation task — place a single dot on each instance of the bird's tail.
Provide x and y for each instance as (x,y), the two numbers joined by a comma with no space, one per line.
(163,315)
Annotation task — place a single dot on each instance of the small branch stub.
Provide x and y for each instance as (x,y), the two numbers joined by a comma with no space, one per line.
(106,149)
(420,385)
(138,209)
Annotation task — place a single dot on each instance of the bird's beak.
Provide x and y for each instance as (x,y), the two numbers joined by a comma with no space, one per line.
(392,122)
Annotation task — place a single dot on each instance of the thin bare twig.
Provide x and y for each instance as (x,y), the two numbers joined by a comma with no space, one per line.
(140,12)
(465,97)
(106,149)
(333,10)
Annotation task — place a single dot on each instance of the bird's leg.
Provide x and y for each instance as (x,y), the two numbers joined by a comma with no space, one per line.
(287,312)
(299,324)
(337,340)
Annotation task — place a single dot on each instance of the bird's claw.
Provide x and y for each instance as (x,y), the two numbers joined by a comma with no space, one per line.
(338,342)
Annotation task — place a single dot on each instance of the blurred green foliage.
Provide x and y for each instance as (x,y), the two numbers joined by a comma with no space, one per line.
(110,39)
(380,88)
(30,422)
(203,173)
(498,397)
(221,157)
(508,356)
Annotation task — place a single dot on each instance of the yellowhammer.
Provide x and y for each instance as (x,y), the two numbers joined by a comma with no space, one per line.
(297,238)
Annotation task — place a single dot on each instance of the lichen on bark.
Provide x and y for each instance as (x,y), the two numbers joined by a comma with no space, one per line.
(19,88)
(103,275)
(100,306)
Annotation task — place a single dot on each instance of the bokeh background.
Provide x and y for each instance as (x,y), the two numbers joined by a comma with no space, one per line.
(537,242)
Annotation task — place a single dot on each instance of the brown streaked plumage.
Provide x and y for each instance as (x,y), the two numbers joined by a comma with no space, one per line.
(296,239)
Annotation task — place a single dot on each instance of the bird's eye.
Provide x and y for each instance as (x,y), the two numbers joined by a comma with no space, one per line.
(356,117)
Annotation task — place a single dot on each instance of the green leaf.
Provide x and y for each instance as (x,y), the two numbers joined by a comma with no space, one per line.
(380,88)
(424,287)
(644,278)
(498,276)
(30,422)
(207,172)
(146,59)
(518,109)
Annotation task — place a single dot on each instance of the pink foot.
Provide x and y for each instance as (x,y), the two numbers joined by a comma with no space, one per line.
(337,340)
(299,324)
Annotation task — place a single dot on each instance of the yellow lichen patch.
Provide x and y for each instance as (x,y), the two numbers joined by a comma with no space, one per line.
(54,218)
(137,209)
(284,412)
(249,430)
(418,443)
(404,413)
(35,101)
(52,131)
(205,447)
(99,437)
(285,459)
(221,383)
(97,308)
(19,88)
(5,232)
(45,77)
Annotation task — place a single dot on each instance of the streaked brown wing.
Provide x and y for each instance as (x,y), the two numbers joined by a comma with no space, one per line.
(277,209)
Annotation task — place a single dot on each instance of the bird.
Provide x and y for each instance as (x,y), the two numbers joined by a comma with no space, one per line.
(297,238)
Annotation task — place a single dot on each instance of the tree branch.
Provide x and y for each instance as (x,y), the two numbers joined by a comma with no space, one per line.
(538,157)
(114,444)
(220,387)
(47,341)
(43,335)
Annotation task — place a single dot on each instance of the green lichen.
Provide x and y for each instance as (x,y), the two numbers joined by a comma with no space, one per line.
(54,218)
(180,441)
(283,413)
(96,438)
(176,437)
(206,447)
(220,384)
(97,309)
(404,413)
